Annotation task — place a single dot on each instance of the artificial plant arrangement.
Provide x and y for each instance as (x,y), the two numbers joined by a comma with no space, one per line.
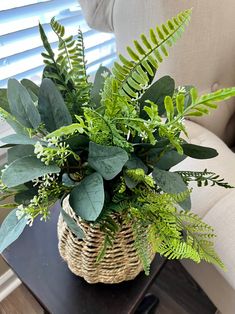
(107,148)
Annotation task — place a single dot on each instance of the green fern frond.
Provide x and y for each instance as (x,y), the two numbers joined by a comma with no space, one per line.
(182,196)
(68,69)
(201,105)
(204,178)
(201,233)
(175,234)
(133,75)
(138,175)
(110,227)
(71,59)
(141,244)
(52,69)
(178,249)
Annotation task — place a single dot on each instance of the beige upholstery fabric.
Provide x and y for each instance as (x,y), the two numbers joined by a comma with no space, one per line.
(98,14)
(205,57)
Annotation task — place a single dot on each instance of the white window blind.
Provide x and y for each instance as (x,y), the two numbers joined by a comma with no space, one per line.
(20,43)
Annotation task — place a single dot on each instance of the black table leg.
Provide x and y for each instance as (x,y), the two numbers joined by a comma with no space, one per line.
(148,304)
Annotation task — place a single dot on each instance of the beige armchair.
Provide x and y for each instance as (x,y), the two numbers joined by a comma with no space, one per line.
(205,57)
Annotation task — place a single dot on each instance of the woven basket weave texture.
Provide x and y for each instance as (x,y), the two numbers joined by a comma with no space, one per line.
(120,263)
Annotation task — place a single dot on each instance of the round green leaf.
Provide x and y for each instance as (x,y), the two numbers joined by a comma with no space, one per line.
(87,198)
(107,160)
(171,183)
(11,229)
(169,160)
(157,92)
(19,151)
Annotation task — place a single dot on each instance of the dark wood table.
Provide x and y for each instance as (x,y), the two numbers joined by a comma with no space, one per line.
(34,257)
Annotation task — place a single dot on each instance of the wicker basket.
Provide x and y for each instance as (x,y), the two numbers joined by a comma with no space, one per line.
(120,262)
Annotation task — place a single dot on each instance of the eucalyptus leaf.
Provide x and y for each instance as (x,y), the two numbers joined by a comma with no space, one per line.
(21,105)
(98,85)
(67,181)
(73,226)
(26,169)
(87,198)
(171,183)
(16,126)
(77,141)
(169,160)
(15,139)
(32,89)
(199,152)
(153,155)
(156,93)
(19,151)
(130,183)
(134,163)
(107,160)
(30,86)
(54,113)
(11,229)
(24,197)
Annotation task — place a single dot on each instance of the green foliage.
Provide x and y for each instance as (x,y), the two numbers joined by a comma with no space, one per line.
(18,171)
(19,151)
(68,69)
(138,175)
(175,234)
(32,89)
(21,105)
(96,91)
(167,161)
(109,146)
(171,183)
(133,75)
(199,152)
(107,160)
(87,198)
(67,130)
(72,225)
(201,105)
(11,229)
(110,226)
(15,139)
(142,244)
(51,106)
(156,93)
(204,178)
(12,121)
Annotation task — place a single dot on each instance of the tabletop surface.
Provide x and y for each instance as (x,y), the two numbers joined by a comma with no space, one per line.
(35,259)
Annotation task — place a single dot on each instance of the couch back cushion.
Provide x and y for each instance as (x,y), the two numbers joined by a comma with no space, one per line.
(204,56)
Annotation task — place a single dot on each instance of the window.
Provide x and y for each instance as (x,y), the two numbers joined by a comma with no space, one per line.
(21,46)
